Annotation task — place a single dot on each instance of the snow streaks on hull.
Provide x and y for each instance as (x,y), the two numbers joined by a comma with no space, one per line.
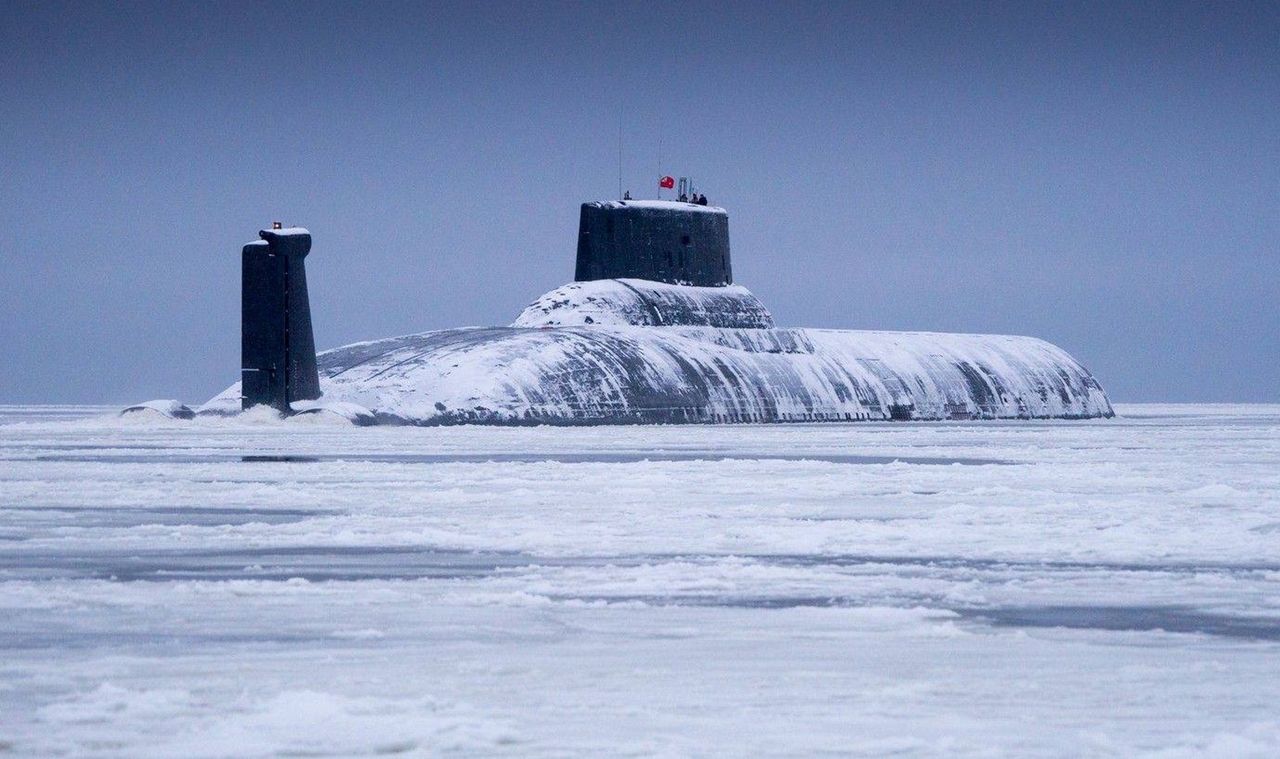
(639,302)
(638,375)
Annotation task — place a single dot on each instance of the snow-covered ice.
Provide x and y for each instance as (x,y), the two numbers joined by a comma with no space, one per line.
(257,587)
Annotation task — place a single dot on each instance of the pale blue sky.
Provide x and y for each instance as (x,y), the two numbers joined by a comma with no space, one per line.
(1105,176)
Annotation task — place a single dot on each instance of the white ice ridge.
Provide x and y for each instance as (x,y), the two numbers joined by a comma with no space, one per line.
(169,408)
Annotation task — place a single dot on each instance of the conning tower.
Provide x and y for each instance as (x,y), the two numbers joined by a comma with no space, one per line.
(277,347)
(658,240)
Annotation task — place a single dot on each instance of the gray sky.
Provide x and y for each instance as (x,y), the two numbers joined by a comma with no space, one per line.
(1104,176)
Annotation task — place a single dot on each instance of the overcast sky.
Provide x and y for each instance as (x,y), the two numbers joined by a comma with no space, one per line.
(1104,176)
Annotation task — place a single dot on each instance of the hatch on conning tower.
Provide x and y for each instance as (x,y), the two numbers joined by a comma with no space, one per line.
(659,240)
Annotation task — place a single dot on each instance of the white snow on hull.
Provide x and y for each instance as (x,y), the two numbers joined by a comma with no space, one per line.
(661,205)
(634,351)
(639,302)
(646,375)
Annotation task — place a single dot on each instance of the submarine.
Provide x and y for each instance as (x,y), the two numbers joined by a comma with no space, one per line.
(653,330)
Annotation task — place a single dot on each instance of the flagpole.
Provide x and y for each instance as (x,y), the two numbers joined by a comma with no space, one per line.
(660,174)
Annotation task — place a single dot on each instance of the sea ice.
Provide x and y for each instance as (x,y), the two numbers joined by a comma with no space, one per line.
(257,586)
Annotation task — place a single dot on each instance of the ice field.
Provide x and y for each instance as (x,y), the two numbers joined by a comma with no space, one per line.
(262,588)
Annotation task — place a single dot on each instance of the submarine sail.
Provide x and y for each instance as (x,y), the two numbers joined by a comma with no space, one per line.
(277,349)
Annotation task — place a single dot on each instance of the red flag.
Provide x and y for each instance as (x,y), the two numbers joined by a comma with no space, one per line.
(667,183)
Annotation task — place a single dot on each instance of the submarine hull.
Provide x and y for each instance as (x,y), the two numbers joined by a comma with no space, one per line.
(655,331)
(642,375)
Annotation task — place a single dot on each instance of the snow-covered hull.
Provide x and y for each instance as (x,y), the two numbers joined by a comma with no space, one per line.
(646,375)
(652,331)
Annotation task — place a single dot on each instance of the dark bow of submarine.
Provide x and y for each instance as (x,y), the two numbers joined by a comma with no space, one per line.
(653,330)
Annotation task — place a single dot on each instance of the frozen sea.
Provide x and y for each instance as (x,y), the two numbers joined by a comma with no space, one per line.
(265,588)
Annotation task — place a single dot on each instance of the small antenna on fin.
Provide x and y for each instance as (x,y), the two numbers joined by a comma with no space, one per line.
(660,174)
